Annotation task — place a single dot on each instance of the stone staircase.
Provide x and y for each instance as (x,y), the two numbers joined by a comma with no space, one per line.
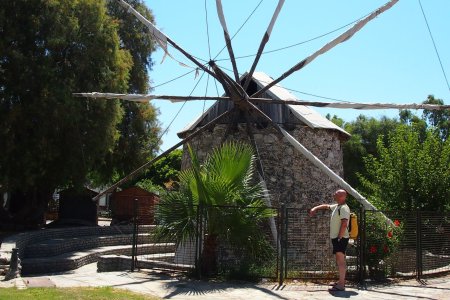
(4,267)
(58,246)
(65,249)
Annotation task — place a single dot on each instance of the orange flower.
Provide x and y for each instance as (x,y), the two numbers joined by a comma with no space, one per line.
(397,223)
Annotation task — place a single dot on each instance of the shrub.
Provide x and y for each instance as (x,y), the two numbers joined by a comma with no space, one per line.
(383,237)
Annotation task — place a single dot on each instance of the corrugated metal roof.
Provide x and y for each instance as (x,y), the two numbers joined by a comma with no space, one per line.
(303,113)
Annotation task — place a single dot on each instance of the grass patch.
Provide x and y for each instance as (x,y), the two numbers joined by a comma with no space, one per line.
(79,293)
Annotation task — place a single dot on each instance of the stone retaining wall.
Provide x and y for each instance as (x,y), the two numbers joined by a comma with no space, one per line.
(55,247)
(22,240)
(77,261)
(111,263)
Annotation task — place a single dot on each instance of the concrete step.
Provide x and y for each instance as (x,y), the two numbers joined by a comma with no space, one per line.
(351,260)
(76,259)
(4,269)
(22,240)
(158,263)
(57,246)
(110,263)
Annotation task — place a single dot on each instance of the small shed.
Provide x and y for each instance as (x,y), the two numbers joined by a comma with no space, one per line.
(122,208)
(77,207)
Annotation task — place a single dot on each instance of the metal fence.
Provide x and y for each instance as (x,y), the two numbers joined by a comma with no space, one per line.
(405,244)
(234,242)
(306,247)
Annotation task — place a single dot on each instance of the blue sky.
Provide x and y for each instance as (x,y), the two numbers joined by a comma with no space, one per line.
(391,59)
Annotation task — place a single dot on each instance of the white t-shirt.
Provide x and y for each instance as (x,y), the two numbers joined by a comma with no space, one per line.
(336,217)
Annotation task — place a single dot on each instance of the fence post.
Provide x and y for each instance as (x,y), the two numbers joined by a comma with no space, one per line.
(283,224)
(135,227)
(286,227)
(419,244)
(14,265)
(362,245)
(199,240)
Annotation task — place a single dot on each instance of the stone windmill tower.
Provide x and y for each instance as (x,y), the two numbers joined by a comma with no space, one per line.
(290,178)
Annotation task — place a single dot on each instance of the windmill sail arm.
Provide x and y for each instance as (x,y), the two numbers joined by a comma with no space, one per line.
(190,57)
(340,39)
(231,87)
(260,170)
(344,105)
(353,105)
(227,38)
(318,163)
(144,98)
(263,43)
(333,176)
(161,38)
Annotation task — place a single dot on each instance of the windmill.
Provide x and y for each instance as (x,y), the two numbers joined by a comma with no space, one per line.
(247,105)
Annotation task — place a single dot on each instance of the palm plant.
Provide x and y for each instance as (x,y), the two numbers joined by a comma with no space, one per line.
(223,194)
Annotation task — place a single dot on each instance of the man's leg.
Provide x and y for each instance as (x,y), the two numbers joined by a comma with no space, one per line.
(342,267)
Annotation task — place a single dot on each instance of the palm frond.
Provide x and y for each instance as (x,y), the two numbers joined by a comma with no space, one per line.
(232,161)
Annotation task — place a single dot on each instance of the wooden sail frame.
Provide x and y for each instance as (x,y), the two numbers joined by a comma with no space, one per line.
(144,98)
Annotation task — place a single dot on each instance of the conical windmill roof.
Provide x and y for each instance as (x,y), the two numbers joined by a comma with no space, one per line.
(305,114)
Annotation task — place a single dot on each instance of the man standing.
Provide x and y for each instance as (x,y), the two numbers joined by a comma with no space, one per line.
(340,217)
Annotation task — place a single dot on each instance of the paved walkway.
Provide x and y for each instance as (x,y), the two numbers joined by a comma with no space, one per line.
(171,287)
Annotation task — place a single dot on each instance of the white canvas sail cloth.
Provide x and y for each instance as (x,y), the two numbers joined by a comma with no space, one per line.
(349,33)
(227,38)
(160,37)
(290,101)
(157,34)
(263,43)
(274,17)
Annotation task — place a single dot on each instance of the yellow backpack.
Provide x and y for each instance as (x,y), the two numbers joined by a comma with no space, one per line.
(352,225)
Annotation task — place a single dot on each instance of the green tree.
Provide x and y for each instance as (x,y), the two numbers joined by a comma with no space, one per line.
(336,120)
(438,119)
(165,171)
(134,37)
(48,50)
(149,186)
(162,175)
(365,133)
(225,179)
(409,173)
(138,142)
(139,128)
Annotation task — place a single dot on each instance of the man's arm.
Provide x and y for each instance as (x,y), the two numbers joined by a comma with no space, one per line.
(344,223)
(313,211)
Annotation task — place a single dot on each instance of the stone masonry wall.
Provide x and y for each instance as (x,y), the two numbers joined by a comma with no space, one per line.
(290,177)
